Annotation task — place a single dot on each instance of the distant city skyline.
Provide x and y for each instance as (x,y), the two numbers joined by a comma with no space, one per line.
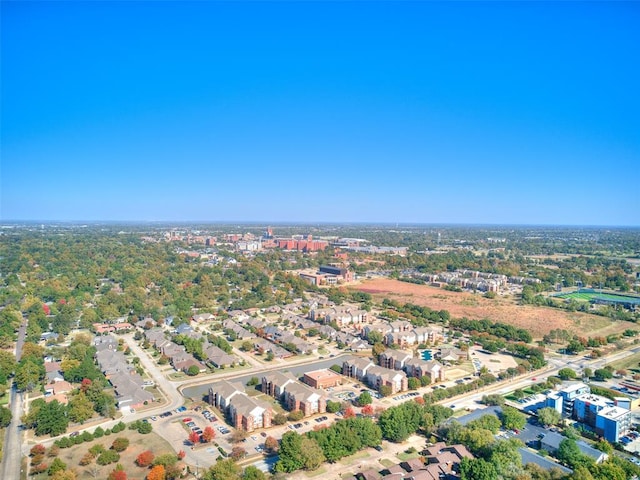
(514,113)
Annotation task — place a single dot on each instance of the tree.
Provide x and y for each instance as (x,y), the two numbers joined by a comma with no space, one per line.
(295,416)
(570,454)
(549,416)
(477,469)
(237,436)
(368,409)
(281,419)
(56,466)
(193,370)
(107,457)
(144,428)
(512,419)
(587,372)
(80,408)
(253,381)
(413,383)
(333,407)
(253,473)
(505,456)
(487,422)
(28,374)
(194,437)
(246,346)
(157,473)
(349,412)
(223,470)
(144,459)
(365,399)
(65,475)
(291,457)
(385,390)
(604,446)
(120,444)
(567,373)
(493,399)
(5,417)
(312,454)
(602,374)
(51,419)
(271,444)
(118,473)
(574,346)
(38,449)
(208,434)
(237,452)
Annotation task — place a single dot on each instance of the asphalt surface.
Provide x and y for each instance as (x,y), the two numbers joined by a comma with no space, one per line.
(12,448)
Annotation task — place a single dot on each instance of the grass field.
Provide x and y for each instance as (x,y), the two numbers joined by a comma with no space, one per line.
(631,362)
(592,295)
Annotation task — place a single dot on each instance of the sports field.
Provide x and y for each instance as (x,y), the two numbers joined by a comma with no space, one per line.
(588,295)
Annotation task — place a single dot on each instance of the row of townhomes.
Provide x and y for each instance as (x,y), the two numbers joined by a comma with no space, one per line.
(177,355)
(127,384)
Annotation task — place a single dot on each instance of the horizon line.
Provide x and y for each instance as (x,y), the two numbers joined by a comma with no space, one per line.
(307,223)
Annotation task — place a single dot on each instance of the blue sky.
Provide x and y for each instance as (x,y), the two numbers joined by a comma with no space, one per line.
(499,113)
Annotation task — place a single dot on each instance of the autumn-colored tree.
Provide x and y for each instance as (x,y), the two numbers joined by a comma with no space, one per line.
(38,449)
(157,473)
(194,437)
(208,434)
(39,468)
(54,451)
(64,475)
(86,459)
(37,458)
(174,471)
(145,458)
(367,410)
(181,454)
(85,385)
(271,444)
(118,474)
(349,412)
(238,452)
(419,400)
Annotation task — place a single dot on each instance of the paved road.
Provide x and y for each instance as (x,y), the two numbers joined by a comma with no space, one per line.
(10,467)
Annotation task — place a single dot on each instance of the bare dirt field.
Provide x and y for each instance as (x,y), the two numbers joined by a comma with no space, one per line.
(138,443)
(537,320)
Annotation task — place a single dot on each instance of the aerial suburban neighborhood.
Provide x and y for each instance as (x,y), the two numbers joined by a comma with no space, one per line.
(228,357)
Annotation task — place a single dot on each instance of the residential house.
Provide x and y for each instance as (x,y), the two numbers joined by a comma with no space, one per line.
(202,317)
(218,357)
